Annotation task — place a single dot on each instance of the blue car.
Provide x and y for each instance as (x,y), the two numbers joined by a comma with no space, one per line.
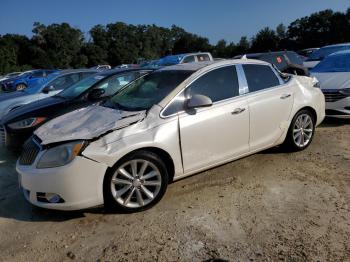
(28,79)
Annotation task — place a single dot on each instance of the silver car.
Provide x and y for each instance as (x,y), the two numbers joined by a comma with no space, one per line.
(164,126)
(64,79)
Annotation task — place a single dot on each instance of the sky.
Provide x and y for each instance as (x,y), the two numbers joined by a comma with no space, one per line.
(214,19)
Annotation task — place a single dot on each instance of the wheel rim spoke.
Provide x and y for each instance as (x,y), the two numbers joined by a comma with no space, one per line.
(123,190)
(148,193)
(149,175)
(152,183)
(134,168)
(143,168)
(139,197)
(127,200)
(121,181)
(125,173)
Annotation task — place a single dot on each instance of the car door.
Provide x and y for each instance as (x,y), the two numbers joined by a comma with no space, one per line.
(270,102)
(217,133)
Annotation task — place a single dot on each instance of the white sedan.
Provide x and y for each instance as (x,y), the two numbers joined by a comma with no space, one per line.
(333,73)
(164,126)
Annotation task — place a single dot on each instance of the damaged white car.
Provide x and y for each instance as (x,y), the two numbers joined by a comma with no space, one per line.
(169,124)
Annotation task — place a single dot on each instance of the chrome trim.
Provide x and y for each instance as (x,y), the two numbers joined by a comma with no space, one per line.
(242,80)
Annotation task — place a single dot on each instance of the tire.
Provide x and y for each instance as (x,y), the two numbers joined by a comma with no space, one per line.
(137,190)
(20,87)
(301,131)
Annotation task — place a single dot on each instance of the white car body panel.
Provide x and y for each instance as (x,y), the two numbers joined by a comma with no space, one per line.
(203,144)
(194,141)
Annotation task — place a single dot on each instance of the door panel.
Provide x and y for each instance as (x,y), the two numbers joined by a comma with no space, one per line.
(214,134)
(269,114)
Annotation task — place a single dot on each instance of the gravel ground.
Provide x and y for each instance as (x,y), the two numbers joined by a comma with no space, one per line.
(267,207)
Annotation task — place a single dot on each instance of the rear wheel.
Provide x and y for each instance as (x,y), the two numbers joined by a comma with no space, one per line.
(137,183)
(20,87)
(301,131)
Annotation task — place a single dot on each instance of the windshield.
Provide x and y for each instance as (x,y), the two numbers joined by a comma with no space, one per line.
(80,87)
(334,63)
(321,53)
(147,91)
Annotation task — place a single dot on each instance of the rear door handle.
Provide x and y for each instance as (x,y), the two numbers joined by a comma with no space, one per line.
(285,96)
(237,111)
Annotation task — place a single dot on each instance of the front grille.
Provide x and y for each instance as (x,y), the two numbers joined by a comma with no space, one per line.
(333,95)
(31,150)
(2,136)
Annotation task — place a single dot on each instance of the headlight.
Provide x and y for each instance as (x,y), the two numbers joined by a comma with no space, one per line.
(345,91)
(29,122)
(60,155)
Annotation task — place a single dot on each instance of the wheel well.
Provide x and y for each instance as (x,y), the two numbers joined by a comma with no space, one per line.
(168,161)
(313,111)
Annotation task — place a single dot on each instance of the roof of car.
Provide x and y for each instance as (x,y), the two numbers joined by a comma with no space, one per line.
(340,53)
(335,45)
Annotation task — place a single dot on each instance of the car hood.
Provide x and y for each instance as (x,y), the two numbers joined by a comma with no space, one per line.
(86,124)
(333,80)
(44,103)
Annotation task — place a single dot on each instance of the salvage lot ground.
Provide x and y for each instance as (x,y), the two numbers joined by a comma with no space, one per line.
(269,206)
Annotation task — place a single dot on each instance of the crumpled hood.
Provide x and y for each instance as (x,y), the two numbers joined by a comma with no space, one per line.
(86,124)
(334,80)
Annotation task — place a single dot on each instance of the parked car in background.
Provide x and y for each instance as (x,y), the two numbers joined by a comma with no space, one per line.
(307,52)
(17,126)
(185,58)
(333,73)
(318,55)
(10,75)
(285,61)
(102,67)
(167,125)
(62,80)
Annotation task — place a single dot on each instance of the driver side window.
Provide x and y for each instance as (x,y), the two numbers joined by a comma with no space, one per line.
(65,81)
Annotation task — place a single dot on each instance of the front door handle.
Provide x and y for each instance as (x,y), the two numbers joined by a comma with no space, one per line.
(284,96)
(238,111)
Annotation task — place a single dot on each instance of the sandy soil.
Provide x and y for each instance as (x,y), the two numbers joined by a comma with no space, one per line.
(267,207)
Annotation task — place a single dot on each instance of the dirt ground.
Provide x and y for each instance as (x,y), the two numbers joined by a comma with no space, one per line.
(267,207)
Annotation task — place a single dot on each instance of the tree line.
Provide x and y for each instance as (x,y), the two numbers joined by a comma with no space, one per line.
(63,46)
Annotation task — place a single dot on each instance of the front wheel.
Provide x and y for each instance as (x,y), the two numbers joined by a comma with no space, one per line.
(137,183)
(20,87)
(301,131)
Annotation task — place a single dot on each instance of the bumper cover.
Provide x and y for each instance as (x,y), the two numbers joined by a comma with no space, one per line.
(79,184)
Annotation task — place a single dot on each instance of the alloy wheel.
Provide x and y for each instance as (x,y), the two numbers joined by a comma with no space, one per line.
(136,183)
(303,130)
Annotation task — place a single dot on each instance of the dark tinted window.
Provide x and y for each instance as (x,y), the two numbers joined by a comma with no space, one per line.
(260,77)
(189,59)
(218,84)
(202,58)
(65,81)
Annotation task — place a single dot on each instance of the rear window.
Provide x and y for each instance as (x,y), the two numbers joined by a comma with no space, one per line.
(321,53)
(202,58)
(334,63)
(260,77)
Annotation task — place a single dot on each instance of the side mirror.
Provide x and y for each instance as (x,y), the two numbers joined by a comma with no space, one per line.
(95,94)
(197,101)
(48,89)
